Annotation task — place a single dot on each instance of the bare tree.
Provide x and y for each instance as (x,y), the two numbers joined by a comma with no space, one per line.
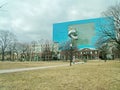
(6,38)
(65,50)
(113,17)
(23,50)
(12,51)
(110,29)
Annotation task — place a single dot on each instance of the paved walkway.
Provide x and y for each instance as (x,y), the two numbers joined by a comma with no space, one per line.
(32,68)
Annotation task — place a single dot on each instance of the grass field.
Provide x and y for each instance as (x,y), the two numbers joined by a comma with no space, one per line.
(93,75)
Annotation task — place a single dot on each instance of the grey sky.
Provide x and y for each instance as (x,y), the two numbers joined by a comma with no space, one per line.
(33,19)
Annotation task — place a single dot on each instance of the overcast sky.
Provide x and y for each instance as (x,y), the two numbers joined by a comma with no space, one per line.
(33,19)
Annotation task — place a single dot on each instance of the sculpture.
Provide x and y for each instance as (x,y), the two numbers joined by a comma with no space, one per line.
(72,33)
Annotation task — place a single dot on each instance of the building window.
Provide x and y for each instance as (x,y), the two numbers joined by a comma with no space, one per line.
(80,52)
(91,52)
(95,52)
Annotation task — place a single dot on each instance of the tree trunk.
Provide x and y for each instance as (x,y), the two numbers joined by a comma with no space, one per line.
(10,55)
(3,54)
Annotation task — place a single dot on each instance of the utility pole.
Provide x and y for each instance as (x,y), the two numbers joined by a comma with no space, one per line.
(71,54)
(73,35)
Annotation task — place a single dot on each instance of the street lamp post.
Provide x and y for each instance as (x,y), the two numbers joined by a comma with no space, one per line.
(73,36)
(71,56)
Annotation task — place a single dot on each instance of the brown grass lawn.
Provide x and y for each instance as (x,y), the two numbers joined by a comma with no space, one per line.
(93,75)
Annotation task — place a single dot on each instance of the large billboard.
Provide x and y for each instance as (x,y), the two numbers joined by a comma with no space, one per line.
(87,30)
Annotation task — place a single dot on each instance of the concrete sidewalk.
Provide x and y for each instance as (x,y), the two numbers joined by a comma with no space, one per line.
(32,68)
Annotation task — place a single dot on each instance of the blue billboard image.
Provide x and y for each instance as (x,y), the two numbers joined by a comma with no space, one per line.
(88,31)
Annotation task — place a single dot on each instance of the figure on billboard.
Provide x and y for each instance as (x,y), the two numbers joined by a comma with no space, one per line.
(72,33)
